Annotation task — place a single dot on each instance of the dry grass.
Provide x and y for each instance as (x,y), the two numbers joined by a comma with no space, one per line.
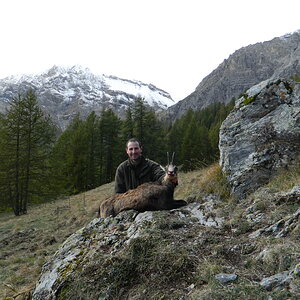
(197,183)
(286,178)
(28,241)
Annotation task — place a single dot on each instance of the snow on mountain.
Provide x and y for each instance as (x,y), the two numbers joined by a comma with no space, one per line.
(151,94)
(64,91)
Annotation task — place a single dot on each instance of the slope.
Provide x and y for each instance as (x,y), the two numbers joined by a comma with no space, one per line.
(190,256)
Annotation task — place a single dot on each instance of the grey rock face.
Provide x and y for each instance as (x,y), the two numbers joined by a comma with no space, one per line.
(244,68)
(261,135)
(116,258)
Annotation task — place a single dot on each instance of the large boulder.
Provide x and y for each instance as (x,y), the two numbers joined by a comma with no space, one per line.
(261,135)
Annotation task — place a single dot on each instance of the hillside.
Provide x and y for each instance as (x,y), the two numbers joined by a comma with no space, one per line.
(184,260)
(244,68)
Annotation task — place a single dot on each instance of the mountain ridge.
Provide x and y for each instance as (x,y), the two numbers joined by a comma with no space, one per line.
(65,91)
(246,67)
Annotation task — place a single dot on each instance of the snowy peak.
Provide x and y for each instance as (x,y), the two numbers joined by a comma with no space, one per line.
(153,95)
(65,91)
(79,77)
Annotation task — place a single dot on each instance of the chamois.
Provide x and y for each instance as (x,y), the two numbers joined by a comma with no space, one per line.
(147,196)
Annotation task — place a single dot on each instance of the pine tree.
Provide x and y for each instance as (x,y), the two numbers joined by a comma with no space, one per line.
(91,130)
(28,136)
(127,126)
(139,118)
(69,158)
(149,130)
(109,145)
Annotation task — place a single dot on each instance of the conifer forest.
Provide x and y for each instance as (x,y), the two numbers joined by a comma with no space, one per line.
(39,163)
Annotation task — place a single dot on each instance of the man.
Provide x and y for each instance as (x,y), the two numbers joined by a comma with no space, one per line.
(136,169)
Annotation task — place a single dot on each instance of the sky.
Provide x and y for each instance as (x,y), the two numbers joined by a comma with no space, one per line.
(172,44)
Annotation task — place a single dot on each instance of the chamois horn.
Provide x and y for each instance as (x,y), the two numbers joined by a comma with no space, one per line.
(169,158)
(173,158)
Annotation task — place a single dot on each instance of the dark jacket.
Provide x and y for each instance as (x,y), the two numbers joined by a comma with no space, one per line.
(130,176)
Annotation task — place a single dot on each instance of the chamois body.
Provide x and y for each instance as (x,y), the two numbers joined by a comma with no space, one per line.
(147,196)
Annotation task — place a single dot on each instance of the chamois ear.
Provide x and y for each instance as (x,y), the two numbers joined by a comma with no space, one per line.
(164,168)
(179,167)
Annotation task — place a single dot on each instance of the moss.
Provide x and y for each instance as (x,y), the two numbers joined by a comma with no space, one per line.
(164,221)
(71,266)
(248,100)
(296,78)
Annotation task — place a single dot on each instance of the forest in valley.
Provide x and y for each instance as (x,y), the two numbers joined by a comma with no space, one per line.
(39,163)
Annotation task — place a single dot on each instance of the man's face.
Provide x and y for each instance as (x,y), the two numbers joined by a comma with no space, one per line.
(133,150)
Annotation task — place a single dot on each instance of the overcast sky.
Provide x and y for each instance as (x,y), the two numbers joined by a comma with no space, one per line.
(172,44)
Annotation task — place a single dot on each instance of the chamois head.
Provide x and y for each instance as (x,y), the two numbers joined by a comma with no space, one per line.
(171,170)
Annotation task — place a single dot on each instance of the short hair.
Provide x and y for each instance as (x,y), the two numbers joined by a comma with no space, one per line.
(133,140)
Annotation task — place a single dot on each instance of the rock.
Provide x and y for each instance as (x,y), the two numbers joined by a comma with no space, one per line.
(260,136)
(278,281)
(284,226)
(226,278)
(292,196)
(204,213)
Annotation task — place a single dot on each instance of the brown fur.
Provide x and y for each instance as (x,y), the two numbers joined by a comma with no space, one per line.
(148,196)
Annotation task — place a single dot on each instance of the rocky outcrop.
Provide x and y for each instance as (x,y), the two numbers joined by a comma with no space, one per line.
(261,135)
(195,252)
(244,68)
(103,240)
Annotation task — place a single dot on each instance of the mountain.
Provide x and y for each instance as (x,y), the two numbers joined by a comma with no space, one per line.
(64,91)
(277,58)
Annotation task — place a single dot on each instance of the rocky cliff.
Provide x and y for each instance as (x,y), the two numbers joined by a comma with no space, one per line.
(261,135)
(244,68)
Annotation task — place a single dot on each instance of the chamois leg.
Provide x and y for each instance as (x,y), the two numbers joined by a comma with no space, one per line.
(107,209)
(177,204)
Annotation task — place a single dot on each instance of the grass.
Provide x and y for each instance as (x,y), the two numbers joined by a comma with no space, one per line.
(174,255)
(201,182)
(286,178)
(28,241)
